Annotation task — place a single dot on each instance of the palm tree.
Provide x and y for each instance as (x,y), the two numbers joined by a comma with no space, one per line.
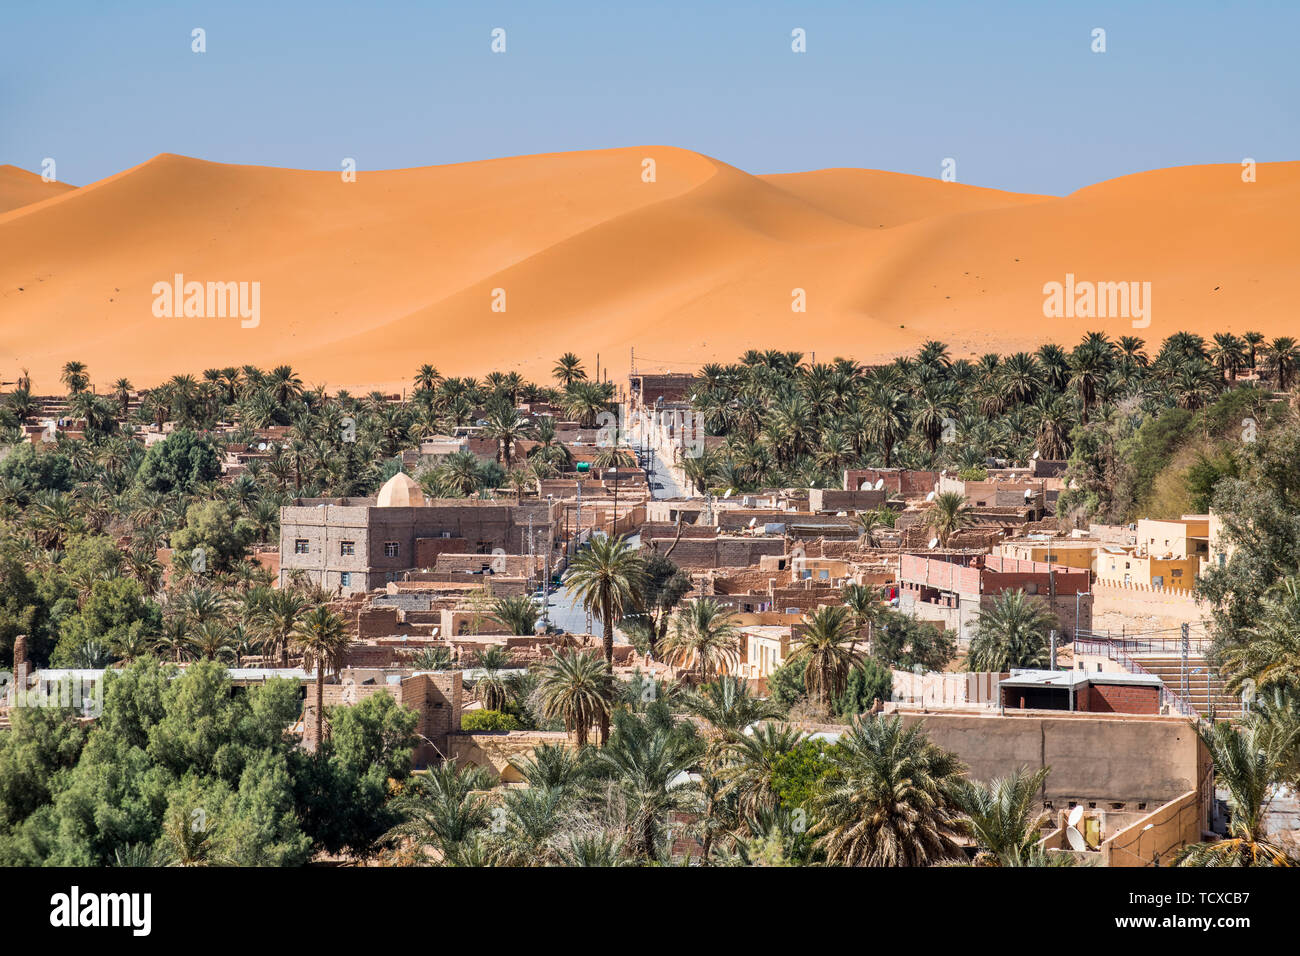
(1011,633)
(568,369)
(1269,654)
(322,637)
(646,762)
(490,688)
(1253,341)
(827,651)
(507,426)
(729,707)
(445,809)
(213,641)
(607,578)
(122,392)
(1283,358)
(948,514)
(518,613)
(1005,816)
(278,619)
(892,804)
(74,376)
(704,637)
(578,688)
(427,378)
(1246,764)
(1228,355)
(755,766)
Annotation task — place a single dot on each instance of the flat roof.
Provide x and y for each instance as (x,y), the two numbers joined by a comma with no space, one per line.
(1076,678)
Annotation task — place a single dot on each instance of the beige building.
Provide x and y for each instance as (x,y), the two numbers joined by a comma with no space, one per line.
(1080,553)
(764,648)
(1185,537)
(1121,567)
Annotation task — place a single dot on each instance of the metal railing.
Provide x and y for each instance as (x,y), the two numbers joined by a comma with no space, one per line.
(1114,651)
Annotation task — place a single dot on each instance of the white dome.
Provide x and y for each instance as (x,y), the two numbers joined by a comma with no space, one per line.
(401,491)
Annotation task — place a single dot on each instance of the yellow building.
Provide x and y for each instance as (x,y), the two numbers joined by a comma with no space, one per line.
(1065,552)
(1120,566)
(1185,537)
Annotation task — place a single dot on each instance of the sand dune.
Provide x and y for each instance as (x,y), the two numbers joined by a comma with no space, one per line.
(361,282)
(18,187)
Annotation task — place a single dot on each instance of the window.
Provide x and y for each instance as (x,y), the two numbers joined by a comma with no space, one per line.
(345,579)
(301,546)
(347,547)
(391,549)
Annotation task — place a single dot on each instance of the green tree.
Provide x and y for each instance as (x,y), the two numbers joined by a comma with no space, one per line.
(1011,633)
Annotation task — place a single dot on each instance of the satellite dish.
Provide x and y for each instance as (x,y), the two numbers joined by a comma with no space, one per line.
(930,496)
(752,522)
(1029,492)
(1075,816)
(1034,455)
(880,483)
(933,542)
(862,486)
(727,494)
(1075,838)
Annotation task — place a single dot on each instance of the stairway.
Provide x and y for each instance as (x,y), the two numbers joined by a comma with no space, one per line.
(1204,687)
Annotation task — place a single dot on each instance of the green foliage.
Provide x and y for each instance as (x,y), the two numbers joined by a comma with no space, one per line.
(475,721)
(219,528)
(36,468)
(179,462)
(786,685)
(868,682)
(799,775)
(902,642)
(116,614)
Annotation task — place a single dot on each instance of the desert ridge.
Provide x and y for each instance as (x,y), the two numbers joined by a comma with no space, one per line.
(502,264)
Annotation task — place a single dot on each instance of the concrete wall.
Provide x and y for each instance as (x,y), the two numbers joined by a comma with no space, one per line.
(1157,836)
(1117,609)
(1134,760)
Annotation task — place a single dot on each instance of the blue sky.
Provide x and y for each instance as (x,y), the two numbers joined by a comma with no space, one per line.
(1012,91)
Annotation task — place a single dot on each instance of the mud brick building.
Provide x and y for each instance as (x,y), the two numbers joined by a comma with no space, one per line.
(435,695)
(352,545)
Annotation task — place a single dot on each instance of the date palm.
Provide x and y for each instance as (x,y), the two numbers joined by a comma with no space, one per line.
(1246,764)
(568,369)
(826,650)
(1005,816)
(607,578)
(1269,655)
(704,637)
(1012,633)
(578,688)
(322,636)
(948,514)
(1283,358)
(893,801)
(646,763)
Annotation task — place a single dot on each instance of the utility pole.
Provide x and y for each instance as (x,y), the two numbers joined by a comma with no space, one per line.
(1182,684)
(614,526)
(1053,648)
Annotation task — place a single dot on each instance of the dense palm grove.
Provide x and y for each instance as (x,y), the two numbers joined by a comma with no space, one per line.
(788,423)
(701,771)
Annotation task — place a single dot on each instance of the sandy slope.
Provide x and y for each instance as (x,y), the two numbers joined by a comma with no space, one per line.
(361,282)
(18,187)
